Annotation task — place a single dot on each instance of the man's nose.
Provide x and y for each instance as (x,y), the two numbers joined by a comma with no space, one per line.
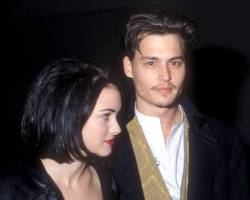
(165,72)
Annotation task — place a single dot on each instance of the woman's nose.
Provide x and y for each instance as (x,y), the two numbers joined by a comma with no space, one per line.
(116,129)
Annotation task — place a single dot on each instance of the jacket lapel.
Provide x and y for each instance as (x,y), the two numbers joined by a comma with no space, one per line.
(125,170)
(202,151)
(201,171)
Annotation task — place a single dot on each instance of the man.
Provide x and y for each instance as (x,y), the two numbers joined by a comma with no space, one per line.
(172,151)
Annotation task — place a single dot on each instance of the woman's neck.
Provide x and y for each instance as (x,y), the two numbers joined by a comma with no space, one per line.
(67,174)
(75,180)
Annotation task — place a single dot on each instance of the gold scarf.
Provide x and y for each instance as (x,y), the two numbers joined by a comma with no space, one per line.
(153,185)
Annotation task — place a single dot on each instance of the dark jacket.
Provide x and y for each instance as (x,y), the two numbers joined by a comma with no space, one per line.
(217,168)
(31,182)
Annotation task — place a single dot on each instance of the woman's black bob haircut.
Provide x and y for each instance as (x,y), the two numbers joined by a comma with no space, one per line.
(59,103)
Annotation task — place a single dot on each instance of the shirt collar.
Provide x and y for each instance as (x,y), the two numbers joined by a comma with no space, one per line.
(152,119)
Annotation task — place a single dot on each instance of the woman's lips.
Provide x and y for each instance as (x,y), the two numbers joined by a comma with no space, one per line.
(110,142)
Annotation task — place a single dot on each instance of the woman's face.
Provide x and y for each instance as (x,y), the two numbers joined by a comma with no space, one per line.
(101,128)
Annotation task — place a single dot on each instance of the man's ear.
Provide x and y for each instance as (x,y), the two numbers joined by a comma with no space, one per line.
(127,67)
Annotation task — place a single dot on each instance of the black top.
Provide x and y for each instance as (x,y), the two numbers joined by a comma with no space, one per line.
(31,182)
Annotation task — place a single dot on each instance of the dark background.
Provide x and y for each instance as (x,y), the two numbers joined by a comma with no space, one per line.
(39,31)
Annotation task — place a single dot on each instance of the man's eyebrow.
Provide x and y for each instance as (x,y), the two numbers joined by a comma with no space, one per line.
(177,57)
(155,58)
(149,58)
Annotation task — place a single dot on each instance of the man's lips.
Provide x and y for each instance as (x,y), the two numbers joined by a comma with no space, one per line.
(164,89)
(111,141)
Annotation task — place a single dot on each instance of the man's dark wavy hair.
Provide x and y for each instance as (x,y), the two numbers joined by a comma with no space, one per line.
(158,22)
(59,103)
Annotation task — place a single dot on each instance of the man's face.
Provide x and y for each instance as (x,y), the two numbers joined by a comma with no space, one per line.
(158,71)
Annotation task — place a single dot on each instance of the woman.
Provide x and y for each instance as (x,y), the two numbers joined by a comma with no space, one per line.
(69,122)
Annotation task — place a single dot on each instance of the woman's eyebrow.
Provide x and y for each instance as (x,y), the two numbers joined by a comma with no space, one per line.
(107,109)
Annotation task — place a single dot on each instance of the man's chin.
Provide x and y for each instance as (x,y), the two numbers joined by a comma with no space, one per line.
(171,103)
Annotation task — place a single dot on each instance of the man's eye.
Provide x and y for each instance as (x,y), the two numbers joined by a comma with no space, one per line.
(176,63)
(150,63)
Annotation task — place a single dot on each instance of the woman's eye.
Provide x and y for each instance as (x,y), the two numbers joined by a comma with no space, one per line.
(106,116)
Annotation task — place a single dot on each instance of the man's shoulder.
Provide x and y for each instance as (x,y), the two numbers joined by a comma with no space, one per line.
(201,120)
(214,132)
(219,128)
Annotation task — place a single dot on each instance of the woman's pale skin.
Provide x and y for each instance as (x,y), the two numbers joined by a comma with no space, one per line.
(98,134)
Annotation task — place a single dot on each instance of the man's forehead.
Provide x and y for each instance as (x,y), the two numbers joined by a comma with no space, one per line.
(146,37)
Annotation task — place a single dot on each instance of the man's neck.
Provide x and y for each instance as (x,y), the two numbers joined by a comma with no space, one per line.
(168,116)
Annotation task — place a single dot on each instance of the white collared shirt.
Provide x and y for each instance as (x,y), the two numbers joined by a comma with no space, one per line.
(169,156)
